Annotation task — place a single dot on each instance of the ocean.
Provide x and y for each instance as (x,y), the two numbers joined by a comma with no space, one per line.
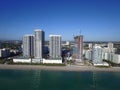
(58,80)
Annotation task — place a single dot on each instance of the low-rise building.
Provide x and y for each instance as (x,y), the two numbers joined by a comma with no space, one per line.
(22,60)
(52,61)
(34,60)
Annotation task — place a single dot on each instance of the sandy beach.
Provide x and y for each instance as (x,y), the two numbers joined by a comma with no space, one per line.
(58,68)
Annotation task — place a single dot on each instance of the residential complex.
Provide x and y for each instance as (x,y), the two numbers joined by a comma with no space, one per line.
(33,47)
(55,46)
(28,45)
(97,55)
(39,43)
(100,52)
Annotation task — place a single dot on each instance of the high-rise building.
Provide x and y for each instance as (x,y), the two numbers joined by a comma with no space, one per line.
(97,55)
(88,54)
(111,48)
(55,46)
(28,46)
(78,54)
(39,43)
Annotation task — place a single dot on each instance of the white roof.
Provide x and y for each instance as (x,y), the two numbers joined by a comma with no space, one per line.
(55,35)
(29,35)
(38,30)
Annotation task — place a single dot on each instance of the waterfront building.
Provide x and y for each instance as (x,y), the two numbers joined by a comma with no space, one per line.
(78,48)
(109,52)
(28,45)
(114,58)
(97,55)
(108,56)
(55,46)
(88,54)
(39,41)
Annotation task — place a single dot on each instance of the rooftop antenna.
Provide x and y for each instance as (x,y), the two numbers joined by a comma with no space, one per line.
(80,32)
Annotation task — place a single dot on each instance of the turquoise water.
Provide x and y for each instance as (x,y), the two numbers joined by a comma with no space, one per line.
(58,80)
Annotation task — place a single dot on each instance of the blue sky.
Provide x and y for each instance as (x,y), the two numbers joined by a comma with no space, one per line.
(98,20)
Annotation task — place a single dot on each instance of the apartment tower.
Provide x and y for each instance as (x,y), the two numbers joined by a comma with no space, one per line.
(28,45)
(39,43)
(55,46)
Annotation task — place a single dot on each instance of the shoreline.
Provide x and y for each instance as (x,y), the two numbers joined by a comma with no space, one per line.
(59,68)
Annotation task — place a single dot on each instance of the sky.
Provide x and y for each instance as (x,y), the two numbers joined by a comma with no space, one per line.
(97,20)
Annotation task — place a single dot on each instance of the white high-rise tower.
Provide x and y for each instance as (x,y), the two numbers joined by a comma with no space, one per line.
(97,55)
(55,46)
(39,43)
(28,45)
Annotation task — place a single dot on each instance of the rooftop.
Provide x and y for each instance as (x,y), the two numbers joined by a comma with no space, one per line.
(38,30)
(55,35)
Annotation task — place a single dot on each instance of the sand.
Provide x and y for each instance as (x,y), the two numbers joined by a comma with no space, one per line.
(59,68)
